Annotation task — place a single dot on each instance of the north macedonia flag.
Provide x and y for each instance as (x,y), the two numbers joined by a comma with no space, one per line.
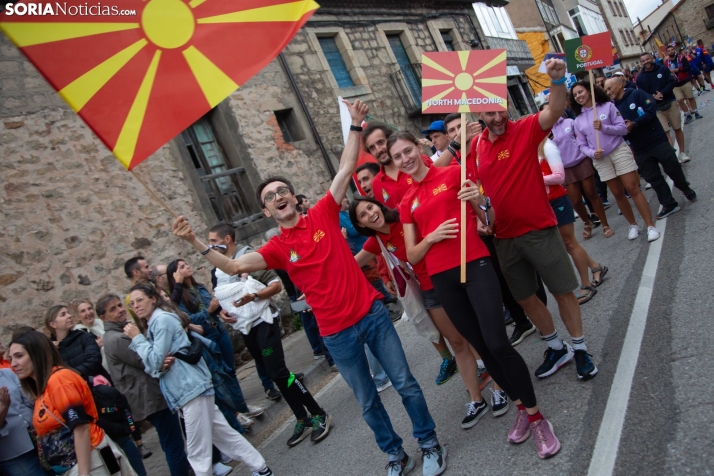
(139,79)
(464,81)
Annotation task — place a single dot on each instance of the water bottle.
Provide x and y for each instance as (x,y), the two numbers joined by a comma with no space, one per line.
(640,111)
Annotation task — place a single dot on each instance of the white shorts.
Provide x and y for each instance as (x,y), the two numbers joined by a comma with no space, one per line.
(619,162)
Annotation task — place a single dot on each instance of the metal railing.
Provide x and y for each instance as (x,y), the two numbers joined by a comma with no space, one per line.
(407,82)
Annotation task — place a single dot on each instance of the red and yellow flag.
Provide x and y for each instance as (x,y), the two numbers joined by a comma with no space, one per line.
(464,81)
(140,72)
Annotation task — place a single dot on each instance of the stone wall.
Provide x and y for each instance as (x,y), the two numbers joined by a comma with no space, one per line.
(691,18)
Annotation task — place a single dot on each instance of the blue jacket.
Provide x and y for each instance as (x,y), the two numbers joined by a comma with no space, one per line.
(659,79)
(354,239)
(210,322)
(182,382)
(639,107)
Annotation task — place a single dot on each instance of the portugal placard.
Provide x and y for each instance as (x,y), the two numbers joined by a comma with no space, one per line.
(589,52)
(464,81)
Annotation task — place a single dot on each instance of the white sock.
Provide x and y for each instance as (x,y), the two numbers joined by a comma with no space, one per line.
(479,362)
(553,341)
(579,343)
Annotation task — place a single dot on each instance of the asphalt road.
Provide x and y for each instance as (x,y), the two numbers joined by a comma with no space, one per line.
(668,425)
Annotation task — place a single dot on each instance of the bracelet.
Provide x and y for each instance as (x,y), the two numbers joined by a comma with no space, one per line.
(558,82)
(451,150)
(356,128)
(204,253)
(455,145)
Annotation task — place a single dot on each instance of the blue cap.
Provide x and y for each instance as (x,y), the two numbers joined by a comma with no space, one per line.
(436,126)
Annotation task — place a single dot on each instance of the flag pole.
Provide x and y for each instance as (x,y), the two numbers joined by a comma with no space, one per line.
(462,226)
(592,96)
(153,194)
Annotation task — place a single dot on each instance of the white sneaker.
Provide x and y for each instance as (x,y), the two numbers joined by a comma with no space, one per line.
(684,158)
(225,459)
(634,232)
(254,411)
(384,387)
(220,469)
(244,421)
(648,186)
(652,233)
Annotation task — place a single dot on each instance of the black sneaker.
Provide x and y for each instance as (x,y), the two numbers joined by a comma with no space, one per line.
(667,211)
(697,115)
(300,432)
(474,412)
(691,195)
(447,370)
(320,427)
(554,360)
(520,333)
(595,220)
(584,365)
(400,468)
(688,119)
(499,403)
(265,472)
(433,460)
(272,394)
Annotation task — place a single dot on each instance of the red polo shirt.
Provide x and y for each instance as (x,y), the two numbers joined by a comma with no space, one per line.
(390,191)
(394,242)
(511,176)
(429,204)
(320,263)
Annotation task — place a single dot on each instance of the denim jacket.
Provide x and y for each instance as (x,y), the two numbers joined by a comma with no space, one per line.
(182,382)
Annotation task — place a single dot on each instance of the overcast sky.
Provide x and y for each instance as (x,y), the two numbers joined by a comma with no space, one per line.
(642,8)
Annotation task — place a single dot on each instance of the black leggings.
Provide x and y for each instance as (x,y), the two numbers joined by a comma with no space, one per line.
(476,310)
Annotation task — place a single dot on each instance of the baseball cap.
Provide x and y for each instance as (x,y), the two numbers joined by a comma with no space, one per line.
(436,126)
(619,73)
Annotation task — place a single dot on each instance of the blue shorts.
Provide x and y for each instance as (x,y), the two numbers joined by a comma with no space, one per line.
(563,209)
(431,300)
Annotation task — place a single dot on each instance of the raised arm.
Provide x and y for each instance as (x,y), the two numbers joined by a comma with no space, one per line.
(348,162)
(549,116)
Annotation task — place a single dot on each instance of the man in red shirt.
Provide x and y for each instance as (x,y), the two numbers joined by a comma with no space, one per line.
(527,238)
(349,311)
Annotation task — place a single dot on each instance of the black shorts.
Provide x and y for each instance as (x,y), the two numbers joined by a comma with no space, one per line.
(563,209)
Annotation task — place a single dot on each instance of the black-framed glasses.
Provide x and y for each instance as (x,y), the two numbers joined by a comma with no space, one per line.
(282,191)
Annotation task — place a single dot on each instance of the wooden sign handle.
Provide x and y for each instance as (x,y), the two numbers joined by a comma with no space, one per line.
(153,194)
(462,226)
(592,96)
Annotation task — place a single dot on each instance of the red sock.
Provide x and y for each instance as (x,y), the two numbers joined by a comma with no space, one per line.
(536,417)
(521,408)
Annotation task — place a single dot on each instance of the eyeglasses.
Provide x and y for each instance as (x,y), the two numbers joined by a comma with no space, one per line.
(282,191)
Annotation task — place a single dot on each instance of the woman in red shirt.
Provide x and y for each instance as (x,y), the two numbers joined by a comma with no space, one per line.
(553,175)
(377,221)
(431,209)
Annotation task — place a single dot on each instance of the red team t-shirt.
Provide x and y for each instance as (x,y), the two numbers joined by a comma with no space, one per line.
(394,242)
(319,262)
(429,204)
(511,176)
(389,191)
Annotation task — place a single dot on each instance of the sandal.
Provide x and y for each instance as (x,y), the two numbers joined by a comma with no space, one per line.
(583,298)
(603,271)
(607,231)
(587,231)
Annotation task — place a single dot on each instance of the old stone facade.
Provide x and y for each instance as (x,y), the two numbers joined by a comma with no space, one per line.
(686,22)
(72,215)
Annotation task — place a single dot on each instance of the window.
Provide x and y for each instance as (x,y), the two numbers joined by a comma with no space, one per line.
(412,79)
(624,10)
(227,188)
(336,62)
(634,37)
(448,41)
(612,8)
(288,125)
(709,11)
(548,13)
(495,21)
(624,38)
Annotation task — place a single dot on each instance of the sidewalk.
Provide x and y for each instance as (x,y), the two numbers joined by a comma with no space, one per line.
(299,358)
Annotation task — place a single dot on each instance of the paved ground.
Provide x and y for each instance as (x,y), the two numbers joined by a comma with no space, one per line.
(667,428)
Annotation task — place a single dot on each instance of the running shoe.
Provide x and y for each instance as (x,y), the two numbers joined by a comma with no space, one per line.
(254,411)
(401,467)
(265,472)
(300,432)
(684,158)
(225,459)
(667,211)
(244,421)
(318,355)
(220,469)
(697,115)
(520,333)
(584,365)
(433,460)
(691,195)
(652,234)
(634,232)
(554,360)
(383,387)
(606,204)
(447,370)
(648,186)
(688,119)
(595,220)
(507,316)
(521,429)
(499,403)
(272,394)
(546,442)
(320,427)
(474,412)
(143,452)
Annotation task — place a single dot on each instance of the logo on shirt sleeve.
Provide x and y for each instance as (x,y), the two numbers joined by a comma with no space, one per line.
(319,234)
(439,189)
(294,257)
(72,415)
(385,196)
(415,204)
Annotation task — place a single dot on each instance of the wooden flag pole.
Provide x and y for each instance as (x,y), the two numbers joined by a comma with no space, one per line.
(462,226)
(592,96)
(153,194)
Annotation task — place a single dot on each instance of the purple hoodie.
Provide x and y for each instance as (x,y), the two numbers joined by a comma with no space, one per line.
(611,133)
(564,138)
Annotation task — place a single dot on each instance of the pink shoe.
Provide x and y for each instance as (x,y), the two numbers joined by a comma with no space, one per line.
(521,430)
(546,442)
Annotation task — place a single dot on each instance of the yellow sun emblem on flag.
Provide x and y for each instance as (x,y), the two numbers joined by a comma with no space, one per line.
(464,81)
(139,80)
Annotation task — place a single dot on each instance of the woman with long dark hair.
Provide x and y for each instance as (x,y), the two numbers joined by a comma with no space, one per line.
(69,439)
(431,210)
(377,221)
(613,160)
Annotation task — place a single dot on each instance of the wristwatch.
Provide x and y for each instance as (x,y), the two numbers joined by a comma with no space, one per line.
(487,205)
(256,298)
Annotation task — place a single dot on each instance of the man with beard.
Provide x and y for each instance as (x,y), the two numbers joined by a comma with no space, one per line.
(680,69)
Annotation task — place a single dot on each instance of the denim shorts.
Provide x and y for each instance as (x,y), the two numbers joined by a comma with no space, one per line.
(431,300)
(563,208)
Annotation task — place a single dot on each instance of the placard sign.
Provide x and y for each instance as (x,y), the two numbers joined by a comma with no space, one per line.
(589,52)
(464,81)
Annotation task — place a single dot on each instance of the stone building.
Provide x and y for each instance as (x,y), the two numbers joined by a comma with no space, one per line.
(623,35)
(643,26)
(72,215)
(686,22)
